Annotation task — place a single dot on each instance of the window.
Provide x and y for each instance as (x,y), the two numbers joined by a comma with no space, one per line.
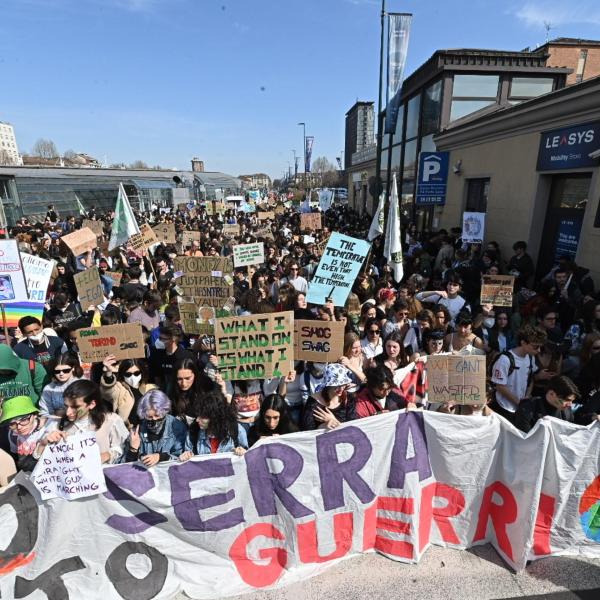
(523,88)
(410,159)
(427,144)
(471,93)
(412,117)
(432,105)
(399,125)
(477,194)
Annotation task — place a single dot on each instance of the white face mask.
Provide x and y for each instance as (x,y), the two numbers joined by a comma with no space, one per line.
(477,412)
(159,345)
(36,339)
(489,323)
(133,380)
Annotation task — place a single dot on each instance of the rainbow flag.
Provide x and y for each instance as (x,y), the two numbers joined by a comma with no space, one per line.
(15,310)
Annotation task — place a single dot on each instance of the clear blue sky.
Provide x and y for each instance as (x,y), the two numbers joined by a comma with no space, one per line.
(228,80)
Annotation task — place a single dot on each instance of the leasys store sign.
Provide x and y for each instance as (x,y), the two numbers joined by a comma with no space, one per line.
(569,148)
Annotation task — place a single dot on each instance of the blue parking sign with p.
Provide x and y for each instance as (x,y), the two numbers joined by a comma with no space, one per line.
(433,178)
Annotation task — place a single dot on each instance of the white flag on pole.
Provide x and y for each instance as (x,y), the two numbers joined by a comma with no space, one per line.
(378,220)
(392,249)
(124,225)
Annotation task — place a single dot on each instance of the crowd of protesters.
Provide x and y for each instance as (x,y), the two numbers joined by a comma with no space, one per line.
(543,353)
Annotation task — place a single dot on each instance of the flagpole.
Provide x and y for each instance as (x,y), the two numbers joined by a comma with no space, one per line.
(378,187)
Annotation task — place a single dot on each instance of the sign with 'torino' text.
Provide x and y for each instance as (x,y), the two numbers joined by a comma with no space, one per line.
(125,340)
(255,346)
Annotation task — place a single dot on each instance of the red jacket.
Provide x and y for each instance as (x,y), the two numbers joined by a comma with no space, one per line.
(367,405)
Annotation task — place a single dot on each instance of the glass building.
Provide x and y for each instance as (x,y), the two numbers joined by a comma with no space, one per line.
(452,87)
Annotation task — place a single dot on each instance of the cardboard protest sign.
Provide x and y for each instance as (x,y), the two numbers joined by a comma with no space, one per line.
(231,229)
(80,241)
(70,469)
(473,229)
(255,346)
(199,320)
(456,379)
(279,209)
(248,254)
(310,221)
(37,274)
(115,276)
(264,232)
(140,242)
(125,340)
(12,277)
(187,237)
(318,341)
(206,280)
(264,215)
(89,287)
(165,233)
(498,290)
(96,226)
(337,270)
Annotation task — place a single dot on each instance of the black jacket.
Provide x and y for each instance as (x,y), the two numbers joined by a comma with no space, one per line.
(531,409)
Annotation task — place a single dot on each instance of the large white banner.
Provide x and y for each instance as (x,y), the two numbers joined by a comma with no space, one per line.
(291,507)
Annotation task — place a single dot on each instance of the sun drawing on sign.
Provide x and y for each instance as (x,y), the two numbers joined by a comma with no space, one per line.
(589,510)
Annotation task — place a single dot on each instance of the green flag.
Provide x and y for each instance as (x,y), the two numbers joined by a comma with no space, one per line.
(124,224)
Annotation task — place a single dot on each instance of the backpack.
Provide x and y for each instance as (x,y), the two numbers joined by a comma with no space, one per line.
(512,367)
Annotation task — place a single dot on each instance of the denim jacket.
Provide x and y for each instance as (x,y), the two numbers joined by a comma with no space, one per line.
(169,445)
(202,445)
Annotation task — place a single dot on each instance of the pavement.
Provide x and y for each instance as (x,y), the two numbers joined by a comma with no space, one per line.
(445,574)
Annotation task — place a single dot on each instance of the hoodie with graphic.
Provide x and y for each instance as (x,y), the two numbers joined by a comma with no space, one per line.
(18,377)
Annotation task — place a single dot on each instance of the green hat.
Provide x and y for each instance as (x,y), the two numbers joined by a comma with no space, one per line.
(16,407)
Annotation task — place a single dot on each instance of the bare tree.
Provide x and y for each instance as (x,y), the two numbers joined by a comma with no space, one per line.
(138,164)
(322,165)
(70,154)
(44,149)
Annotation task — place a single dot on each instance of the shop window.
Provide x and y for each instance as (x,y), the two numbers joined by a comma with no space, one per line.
(471,93)
(477,194)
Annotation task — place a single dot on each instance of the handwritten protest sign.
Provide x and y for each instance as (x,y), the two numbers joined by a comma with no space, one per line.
(264,232)
(89,287)
(279,209)
(165,232)
(12,278)
(139,242)
(231,229)
(198,320)
(497,290)
(187,237)
(125,340)
(80,241)
(70,469)
(37,273)
(255,346)
(319,341)
(206,279)
(456,379)
(248,254)
(310,221)
(96,226)
(115,276)
(264,215)
(337,270)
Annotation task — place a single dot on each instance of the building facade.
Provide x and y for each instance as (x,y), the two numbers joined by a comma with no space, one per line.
(534,170)
(9,151)
(359,131)
(582,56)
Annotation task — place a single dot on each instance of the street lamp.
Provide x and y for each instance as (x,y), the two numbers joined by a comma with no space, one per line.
(304,147)
(295,166)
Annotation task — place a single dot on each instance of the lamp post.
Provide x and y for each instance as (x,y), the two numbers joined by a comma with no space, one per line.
(295,166)
(304,147)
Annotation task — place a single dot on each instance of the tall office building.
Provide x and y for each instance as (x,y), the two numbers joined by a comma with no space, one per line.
(9,152)
(360,130)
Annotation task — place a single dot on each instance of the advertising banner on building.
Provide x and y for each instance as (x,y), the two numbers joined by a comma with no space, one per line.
(567,237)
(294,506)
(432,178)
(569,147)
(473,229)
(309,146)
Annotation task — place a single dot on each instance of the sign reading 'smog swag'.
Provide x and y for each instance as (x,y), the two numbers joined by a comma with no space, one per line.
(318,341)
(255,346)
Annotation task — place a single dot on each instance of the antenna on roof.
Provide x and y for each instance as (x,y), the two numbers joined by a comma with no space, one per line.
(548,27)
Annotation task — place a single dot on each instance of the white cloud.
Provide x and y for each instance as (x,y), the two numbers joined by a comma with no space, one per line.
(555,12)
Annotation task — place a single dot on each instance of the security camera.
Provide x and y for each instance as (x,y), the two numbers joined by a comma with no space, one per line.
(456,167)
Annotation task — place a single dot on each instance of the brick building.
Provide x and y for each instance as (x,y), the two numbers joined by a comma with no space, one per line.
(583,56)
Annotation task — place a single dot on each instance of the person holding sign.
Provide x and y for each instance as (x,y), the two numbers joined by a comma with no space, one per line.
(215,428)
(450,297)
(380,394)
(28,431)
(159,436)
(37,345)
(85,410)
(463,336)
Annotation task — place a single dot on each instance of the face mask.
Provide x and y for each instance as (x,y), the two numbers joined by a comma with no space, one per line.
(489,323)
(133,380)
(155,426)
(477,412)
(36,339)
(159,345)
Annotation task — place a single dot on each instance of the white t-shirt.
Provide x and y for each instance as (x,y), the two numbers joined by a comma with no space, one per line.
(454,305)
(516,382)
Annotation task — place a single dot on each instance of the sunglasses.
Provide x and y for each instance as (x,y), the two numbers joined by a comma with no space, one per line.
(595,348)
(22,421)
(134,373)
(63,371)
(374,331)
